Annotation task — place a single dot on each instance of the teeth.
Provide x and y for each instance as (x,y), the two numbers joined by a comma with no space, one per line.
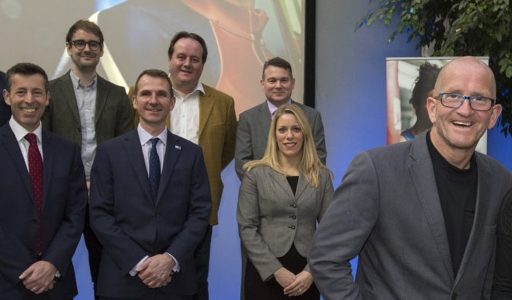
(460,123)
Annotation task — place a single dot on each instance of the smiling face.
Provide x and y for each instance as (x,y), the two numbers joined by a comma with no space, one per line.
(186,64)
(277,84)
(28,99)
(153,102)
(461,128)
(86,58)
(289,137)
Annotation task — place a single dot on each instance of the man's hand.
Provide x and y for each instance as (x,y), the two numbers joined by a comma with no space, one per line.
(300,285)
(156,271)
(284,277)
(39,277)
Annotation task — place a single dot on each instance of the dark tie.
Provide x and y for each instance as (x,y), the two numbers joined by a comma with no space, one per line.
(154,168)
(35,168)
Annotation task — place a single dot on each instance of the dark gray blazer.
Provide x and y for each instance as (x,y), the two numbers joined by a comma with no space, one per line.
(387,211)
(252,134)
(271,218)
(113,115)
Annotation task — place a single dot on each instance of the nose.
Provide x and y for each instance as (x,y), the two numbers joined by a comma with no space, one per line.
(87,47)
(289,134)
(465,109)
(30,97)
(152,99)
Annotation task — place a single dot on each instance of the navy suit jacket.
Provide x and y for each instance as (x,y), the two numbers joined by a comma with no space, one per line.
(64,199)
(131,225)
(5,110)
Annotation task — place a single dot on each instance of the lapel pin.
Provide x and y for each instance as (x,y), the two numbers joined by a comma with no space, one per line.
(177,147)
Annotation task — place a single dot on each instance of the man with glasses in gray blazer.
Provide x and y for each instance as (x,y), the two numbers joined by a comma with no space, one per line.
(420,215)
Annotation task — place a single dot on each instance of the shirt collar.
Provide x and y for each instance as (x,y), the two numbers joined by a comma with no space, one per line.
(199,88)
(272,108)
(77,83)
(20,132)
(145,137)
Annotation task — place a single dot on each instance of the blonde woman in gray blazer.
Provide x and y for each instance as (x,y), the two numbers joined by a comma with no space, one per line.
(282,197)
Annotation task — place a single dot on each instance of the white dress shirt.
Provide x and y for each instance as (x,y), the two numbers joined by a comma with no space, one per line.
(20,132)
(185,114)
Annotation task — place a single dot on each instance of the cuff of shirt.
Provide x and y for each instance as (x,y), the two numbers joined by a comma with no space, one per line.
(176,265)
(133,272)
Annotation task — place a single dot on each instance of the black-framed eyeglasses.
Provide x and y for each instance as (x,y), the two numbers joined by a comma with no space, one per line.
(80,44)
(455,100)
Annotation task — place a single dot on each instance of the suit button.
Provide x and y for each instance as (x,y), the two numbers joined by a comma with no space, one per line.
(291,226)
(293,217)
(293,205)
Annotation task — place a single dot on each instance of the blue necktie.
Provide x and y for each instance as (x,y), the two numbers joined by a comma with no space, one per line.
(154,168)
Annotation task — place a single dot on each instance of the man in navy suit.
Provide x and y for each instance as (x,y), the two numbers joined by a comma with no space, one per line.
(5,110)
(150,202)
(43,196)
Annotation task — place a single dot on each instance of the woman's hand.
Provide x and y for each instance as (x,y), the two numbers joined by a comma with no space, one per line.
(300,285)
(284,277)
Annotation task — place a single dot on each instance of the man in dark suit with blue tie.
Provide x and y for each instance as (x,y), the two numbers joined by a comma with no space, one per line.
(150,202)
(43,196)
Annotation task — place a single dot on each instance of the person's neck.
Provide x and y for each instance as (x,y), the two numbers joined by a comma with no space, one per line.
(278,103)
(153,129)
(457,157)
(290,165)
(86,75)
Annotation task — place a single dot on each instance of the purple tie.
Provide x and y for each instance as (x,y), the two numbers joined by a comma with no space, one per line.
(35,167)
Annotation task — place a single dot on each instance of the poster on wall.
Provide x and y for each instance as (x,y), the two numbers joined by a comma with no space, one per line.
(240,37)
(409,82)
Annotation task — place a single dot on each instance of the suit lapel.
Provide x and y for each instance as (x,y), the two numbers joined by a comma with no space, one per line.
(101,98)
(8,141)
(136,159)
(281,180)
(422,174)
(484,191)
(172,152)
(301,186)
(48,156)
(69,96)
(206,103)
(264,120)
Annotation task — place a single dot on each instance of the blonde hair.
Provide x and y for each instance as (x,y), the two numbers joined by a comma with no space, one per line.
(310,165)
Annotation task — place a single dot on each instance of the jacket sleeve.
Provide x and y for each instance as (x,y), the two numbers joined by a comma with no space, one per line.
(228,151)
(344,229)
(248,217)
(243,149)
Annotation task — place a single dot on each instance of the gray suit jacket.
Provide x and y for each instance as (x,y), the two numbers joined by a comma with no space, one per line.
(387,211)
(252,134)
(271,218)
(113,114)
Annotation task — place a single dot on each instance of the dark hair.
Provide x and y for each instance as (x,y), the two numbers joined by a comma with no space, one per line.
(424,83)
(153,73)
(277,62)
(26,69)
(86,26)
(190,35)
